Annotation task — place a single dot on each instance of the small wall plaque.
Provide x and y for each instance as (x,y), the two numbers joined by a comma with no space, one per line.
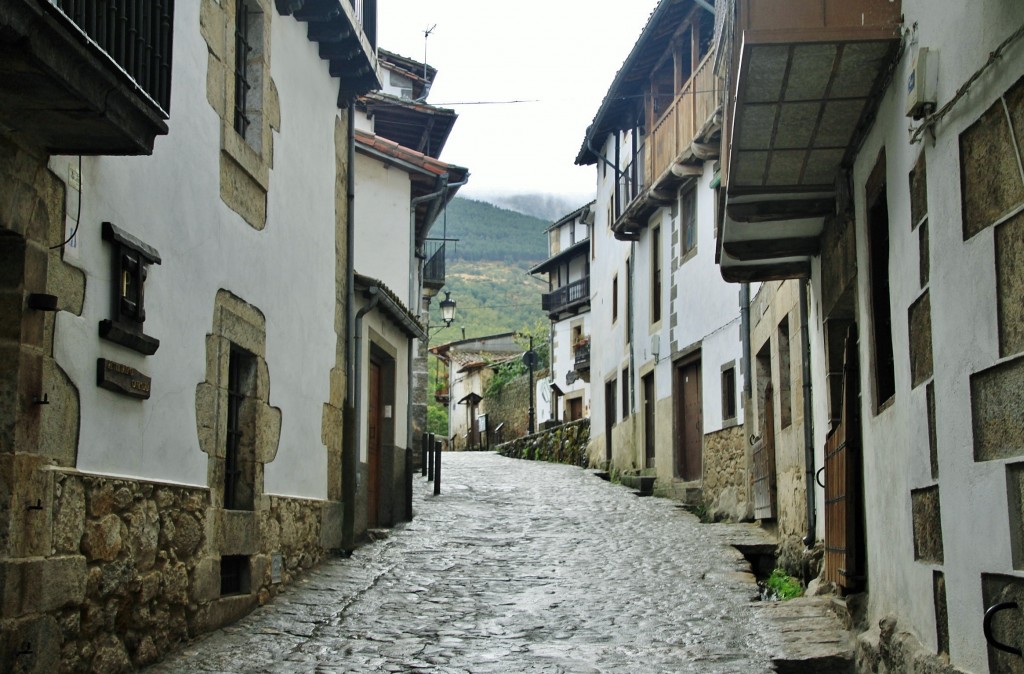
(276,566)
(121,378)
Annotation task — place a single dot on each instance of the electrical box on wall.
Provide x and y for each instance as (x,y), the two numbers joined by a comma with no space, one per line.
(922,83)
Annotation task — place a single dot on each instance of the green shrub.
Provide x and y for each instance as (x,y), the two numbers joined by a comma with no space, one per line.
(781,585)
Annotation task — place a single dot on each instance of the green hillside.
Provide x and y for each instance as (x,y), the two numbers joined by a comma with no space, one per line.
(488,277)
(488,232)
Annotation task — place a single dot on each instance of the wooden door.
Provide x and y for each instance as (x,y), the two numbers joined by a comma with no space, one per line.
(474,434)
(374,422)
(765,483)
(689,422)
(649,430)
(609,418)
(844,523)
(575,410)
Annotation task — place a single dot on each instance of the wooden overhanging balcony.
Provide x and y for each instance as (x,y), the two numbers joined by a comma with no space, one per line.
(809,76)
(86,76)
(442,395)
(672,152)
(570,297)
(346,34)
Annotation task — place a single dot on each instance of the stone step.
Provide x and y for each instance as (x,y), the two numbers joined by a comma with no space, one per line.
(809,637)
(644,484)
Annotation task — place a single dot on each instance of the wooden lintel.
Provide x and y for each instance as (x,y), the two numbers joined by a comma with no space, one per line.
(766,272)
(767,249)
(785,209)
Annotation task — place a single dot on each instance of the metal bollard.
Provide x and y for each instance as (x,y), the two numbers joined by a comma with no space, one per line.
(423,453)
(430,457)
(437,467)
(409,469)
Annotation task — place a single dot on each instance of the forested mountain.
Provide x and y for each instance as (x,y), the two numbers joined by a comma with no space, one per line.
(488,277)
(488,271)
(488,232)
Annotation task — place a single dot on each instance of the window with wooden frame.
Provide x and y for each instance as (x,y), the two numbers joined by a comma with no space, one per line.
(615,298)
(881,303)
(629,298)
(729,393)
(687,223)
(131,259)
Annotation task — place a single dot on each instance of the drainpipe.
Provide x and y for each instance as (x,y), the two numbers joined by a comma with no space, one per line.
(350,448)
(805,373)
(745,338)
(629,326)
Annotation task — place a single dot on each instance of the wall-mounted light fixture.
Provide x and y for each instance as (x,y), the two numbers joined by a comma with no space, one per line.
(447,309)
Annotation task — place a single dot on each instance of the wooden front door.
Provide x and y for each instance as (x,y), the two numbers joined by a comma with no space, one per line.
(844,519)
(474,434)
(689,422)
(648,389)
(574,408)
(374,422)
(609,418)
(765,483)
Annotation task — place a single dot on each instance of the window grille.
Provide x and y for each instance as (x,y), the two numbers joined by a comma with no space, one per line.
(242,84)
(237,490)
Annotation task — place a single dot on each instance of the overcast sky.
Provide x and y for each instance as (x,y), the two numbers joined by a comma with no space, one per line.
(560,55)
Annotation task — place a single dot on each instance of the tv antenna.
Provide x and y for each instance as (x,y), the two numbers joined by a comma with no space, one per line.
(426,34)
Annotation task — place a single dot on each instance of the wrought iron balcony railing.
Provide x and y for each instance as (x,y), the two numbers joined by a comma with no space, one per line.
(567,296)
(136,34)
(433,268)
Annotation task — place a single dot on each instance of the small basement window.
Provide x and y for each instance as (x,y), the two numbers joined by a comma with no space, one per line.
(234,575)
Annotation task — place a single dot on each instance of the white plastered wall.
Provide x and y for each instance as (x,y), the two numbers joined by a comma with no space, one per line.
(171,200)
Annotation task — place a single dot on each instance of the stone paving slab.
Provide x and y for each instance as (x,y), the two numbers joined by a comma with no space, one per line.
(516,567)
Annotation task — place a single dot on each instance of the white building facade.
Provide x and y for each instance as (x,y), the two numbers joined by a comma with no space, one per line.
(173,400)
(565,394)
(908,233)
(666,356)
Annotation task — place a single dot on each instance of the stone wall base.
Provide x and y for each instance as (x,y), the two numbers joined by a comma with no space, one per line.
(135,567)
(886,650)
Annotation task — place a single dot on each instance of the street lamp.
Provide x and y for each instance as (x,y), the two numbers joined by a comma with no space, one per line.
(447,309)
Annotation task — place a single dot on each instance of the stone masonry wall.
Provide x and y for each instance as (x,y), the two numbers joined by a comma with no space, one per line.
(563,444)
(726,479)
(510,407)
(135,569)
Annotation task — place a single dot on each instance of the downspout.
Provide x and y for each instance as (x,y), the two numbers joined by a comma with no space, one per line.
(745,338)
(805,373)
(629,326)
(350,449)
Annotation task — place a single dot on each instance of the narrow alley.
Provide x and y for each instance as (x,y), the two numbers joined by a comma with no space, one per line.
(518,566)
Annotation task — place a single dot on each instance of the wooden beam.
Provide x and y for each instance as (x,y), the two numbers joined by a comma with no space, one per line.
(767,249)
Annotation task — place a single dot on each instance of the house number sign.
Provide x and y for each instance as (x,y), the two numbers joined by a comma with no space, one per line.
(121,378)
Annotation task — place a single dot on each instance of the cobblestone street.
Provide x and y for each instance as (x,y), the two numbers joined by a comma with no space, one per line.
(517,567)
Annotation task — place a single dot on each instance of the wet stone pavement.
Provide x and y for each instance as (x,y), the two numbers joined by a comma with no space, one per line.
(516,567)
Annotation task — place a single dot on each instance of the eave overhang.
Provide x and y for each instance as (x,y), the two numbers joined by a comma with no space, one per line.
(805,96)
(389,304)
(429,177)
(59,90)
(417,126)
(617,110)
(578,249)
(343,41)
